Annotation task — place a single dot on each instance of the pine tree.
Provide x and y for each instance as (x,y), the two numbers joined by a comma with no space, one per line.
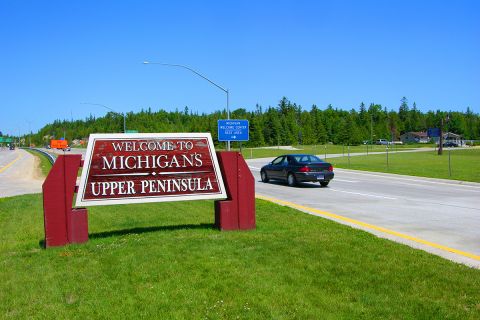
(284,124)
(403,115)
(256,134)
(307,129)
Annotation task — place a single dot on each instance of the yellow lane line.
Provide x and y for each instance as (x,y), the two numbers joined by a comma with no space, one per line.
(368,226)
(8,165)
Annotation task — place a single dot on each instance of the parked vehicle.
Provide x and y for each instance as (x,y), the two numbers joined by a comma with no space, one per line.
(11,146)
(450,144)
(382,142)
(294,168)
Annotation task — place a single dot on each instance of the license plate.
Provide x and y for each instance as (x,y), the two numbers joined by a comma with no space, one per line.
(320,176)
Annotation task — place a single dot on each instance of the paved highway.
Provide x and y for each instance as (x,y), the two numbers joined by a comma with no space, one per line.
(439,216)
(18,174)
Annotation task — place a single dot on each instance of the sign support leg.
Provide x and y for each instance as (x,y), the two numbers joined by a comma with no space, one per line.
(63,224)
(238,211)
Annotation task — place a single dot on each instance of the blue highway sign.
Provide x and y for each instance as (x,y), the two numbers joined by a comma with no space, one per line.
(233,130)
(433,132)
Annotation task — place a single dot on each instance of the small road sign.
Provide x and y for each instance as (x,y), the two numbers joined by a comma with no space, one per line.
(233,130)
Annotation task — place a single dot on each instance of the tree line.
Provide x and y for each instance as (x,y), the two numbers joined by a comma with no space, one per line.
(285,124)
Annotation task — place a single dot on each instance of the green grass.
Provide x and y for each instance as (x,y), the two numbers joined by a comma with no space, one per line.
(250,153)
(45,164)
(165,261)
(465,164)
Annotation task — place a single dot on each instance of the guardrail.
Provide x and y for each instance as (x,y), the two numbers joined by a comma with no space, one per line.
(49,156)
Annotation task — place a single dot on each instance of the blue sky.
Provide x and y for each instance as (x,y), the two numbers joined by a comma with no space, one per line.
(57,54)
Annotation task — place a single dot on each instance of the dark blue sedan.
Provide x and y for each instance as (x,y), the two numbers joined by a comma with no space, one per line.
(294,168)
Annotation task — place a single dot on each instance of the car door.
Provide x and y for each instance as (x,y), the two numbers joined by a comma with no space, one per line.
(276,167)
(289,165)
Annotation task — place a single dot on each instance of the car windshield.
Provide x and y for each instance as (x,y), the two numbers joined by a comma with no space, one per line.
(278,160)
(306,158)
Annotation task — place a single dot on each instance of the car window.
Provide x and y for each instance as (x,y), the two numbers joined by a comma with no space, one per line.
(278,160)
(307,159)
(315,159)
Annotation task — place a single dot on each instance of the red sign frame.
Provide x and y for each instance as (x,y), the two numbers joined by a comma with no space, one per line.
(149,167)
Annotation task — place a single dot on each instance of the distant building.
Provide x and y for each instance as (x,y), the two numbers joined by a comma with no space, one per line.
(415,137)
(450,137)
(79,142)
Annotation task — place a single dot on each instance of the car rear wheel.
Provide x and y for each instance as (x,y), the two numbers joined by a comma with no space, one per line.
(291,180)
(264,176)
(324,183)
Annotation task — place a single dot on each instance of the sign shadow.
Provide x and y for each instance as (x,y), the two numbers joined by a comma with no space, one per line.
(141,230)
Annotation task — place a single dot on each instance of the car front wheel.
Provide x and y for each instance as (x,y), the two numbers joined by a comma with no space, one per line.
(291,180)
(264,176)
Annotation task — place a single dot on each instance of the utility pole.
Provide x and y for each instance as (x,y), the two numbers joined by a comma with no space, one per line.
(371,128)
(440,140)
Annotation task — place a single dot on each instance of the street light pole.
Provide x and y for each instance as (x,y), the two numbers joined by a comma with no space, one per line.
(29,134)
(228,108)
(203,77)
(120,113)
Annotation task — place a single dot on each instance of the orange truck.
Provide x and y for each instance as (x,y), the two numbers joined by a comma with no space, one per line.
(58,144)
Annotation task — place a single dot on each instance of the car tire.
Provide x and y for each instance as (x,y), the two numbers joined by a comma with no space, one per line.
(291,180)
(324,183)
(264,176)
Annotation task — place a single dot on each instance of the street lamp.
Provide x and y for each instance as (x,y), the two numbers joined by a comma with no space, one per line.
(120,113)
(203,77)
(30,133)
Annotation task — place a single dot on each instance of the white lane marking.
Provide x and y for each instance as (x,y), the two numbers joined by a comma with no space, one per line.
(419,185)
(255,168)
(363,194)
(392,176)
(343,180)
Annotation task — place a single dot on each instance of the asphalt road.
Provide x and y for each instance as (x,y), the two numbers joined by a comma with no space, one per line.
(442,212)
(435,215)
(18,174)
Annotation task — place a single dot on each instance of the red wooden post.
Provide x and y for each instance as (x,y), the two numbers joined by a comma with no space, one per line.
(63,224)
(238,211)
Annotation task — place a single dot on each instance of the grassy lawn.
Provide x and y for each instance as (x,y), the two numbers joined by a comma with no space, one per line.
(465,164)
(166,261)
(249,153)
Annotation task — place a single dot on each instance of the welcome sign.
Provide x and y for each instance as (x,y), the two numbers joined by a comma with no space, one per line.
(149,167)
